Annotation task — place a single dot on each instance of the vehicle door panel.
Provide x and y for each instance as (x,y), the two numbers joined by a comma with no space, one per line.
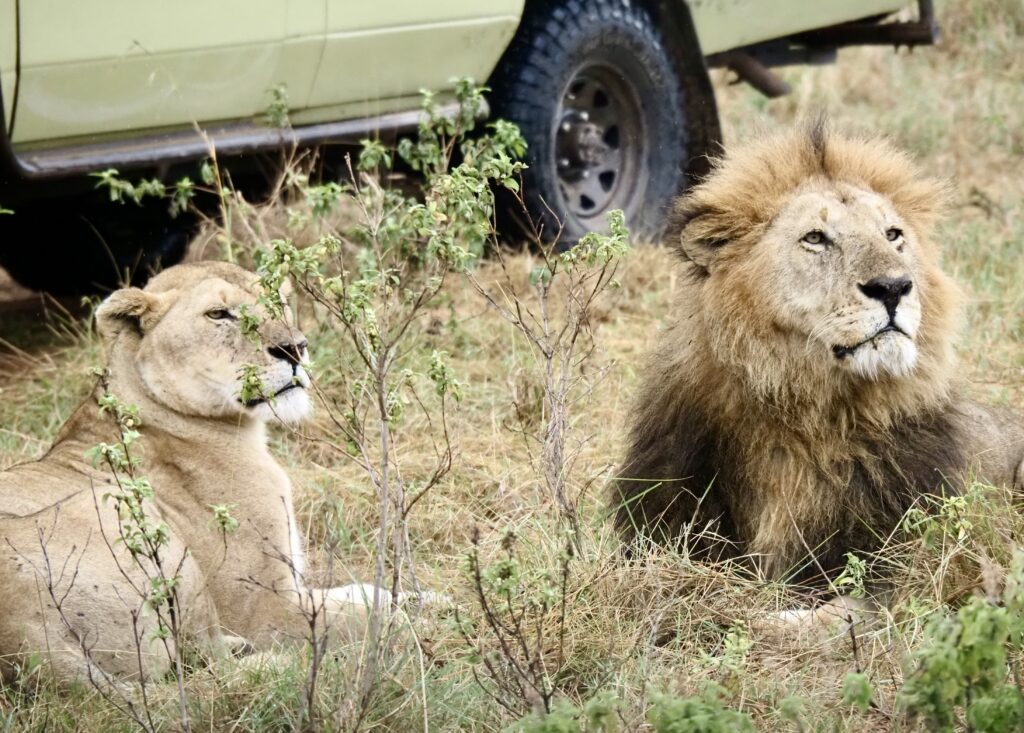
(98,67)
(378,50)
(724,25)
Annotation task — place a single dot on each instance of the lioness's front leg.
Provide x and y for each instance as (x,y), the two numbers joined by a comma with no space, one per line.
(348,607)
(363,593)
(294,613)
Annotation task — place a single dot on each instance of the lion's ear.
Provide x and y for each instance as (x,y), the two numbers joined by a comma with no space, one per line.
(123,309)
(700,236)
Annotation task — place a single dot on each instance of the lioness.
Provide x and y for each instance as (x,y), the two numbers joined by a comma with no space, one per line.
(805,396)
(175,350)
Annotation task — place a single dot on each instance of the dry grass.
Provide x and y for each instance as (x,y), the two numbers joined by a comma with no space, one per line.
(659,623)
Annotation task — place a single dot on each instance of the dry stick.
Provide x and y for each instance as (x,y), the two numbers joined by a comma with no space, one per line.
(219,189)
(563,607)
(383,504)
(442,467)
(553,346)
(137,636)
(444,458)
(131,583)
(518,675)
(389,493)
(314,612)
(318,642)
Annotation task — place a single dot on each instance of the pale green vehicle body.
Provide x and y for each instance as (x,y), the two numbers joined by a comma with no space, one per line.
(73,71)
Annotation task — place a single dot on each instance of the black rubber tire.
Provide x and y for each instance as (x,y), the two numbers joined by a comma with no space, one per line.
(86,244)
(553,47)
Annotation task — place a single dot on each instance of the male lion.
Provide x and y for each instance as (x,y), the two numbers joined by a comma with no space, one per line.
(175,350)
(805,396)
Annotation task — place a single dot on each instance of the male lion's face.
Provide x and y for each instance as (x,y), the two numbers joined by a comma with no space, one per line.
(192,355)
(841,271)
(814,267)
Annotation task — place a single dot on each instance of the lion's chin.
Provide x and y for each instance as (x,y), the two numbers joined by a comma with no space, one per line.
(889,354)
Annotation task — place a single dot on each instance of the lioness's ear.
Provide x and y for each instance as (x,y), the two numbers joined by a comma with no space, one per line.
(124,309)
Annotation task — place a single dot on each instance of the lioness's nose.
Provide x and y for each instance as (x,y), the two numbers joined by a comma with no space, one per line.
(289,351)
(889,290)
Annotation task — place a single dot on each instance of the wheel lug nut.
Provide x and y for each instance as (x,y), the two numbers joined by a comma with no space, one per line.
(585,174)
(584,116)
(566,126)
(563,163)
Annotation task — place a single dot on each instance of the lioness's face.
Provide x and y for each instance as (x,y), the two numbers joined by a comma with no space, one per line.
(194,358)
(843,275)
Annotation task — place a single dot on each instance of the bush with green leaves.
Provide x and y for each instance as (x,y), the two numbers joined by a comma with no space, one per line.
(733,658)
(706,713)
(967,670)
(370,283)
(518,642)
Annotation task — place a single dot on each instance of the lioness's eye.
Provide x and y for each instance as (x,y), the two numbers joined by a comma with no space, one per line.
(220,314)
(893,234)
(815,237)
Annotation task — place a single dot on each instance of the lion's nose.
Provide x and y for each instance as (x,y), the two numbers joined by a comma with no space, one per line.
(889,290)
(288,351)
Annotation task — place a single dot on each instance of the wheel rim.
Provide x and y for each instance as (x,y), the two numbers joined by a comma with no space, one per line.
(597,147)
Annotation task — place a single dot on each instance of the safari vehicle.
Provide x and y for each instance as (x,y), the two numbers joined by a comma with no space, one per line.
(612,96)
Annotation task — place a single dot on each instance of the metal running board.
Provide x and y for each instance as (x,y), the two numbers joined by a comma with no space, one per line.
(185,145)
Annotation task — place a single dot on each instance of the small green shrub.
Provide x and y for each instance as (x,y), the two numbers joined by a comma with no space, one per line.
(967,667)
(857,691)
(706,713)
(597,715)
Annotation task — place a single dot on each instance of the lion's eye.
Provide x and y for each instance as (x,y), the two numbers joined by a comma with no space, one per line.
(893,234)
(220,314)
(816,238)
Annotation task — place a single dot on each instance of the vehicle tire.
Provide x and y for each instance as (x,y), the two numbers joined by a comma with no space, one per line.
(595,93)
(88,245)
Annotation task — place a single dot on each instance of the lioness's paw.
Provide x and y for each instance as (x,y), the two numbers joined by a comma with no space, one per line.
(238,646)
(827,621)
(360,593)
(363,594)
(426,599)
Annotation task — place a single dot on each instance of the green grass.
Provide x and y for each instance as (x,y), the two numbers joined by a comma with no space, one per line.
(662,624)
